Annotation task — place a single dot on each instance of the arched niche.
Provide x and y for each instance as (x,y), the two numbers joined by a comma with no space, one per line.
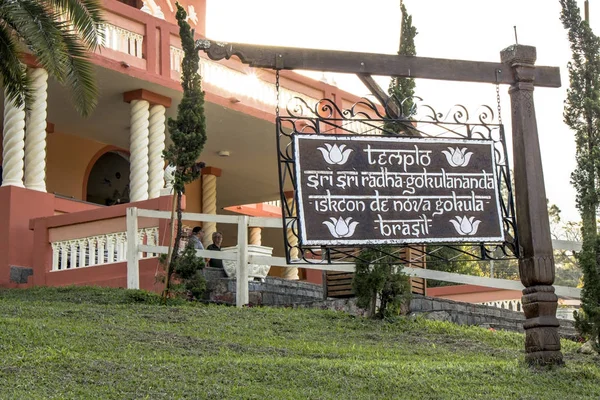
(108,179)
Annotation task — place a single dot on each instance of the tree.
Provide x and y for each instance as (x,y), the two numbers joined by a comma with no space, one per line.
(452,259)
(403,89)
(379,276)
(582,115)
(568,272)
(383,278)
(60,34)
(188,134)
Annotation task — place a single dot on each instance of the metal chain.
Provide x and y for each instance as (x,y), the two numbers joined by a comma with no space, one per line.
(277,93)
(498,71)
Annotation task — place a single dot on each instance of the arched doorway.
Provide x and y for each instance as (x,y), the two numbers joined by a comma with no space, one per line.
(108,181)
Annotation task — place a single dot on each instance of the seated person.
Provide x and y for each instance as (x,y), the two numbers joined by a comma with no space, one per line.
(217,239)
(196,238)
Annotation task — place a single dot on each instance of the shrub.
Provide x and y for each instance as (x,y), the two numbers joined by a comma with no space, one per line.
(379,276)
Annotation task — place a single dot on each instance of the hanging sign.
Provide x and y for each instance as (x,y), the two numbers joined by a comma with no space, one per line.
(375,190)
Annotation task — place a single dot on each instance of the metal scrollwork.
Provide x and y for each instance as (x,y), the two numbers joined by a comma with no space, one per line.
(396,117)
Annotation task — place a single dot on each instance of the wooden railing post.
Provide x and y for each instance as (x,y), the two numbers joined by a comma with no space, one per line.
(241,298)
(133,270)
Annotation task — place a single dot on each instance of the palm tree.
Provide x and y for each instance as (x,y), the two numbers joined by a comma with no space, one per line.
(60,34)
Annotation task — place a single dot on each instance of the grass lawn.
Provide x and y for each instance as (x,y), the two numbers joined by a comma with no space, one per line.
(81,343)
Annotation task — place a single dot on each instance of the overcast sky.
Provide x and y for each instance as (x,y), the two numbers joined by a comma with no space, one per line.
(459,29)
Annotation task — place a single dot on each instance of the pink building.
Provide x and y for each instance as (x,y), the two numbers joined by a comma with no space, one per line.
(68,180)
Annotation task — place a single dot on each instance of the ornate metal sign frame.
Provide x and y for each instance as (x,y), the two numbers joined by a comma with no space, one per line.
(366,118)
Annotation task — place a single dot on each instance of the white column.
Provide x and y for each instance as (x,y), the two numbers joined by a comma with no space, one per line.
(138,147)
(209,202)
(35,140)
(156,146)
(241,297)
(13,144)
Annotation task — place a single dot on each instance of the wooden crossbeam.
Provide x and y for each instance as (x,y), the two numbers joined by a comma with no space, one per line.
(272,57)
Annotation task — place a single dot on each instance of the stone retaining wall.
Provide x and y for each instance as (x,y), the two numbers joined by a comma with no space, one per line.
(283,292)
(479,314)
(452,311)
(272,292)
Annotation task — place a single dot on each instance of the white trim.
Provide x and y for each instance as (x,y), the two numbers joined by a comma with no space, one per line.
(566,245)
(241,274)
(243,257)
(133,256)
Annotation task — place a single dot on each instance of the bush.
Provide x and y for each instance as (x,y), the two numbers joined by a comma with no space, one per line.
(379,276)
(188,268)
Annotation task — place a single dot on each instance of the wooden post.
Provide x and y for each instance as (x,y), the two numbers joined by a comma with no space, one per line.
(241,275)
(133,269)
(536,265)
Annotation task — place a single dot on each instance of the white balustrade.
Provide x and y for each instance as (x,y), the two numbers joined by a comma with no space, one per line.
(512,305)
(239,83)
(122,40)
(118,39)
(98,250)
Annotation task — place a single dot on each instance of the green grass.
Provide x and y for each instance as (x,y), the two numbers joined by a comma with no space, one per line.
(79,343)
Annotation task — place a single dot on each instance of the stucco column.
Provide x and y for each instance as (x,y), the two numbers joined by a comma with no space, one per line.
(146,142)
(13,144)
(209,200)
(255,236)
(138,147)
(291,273)
(536,264)
(155,153)
(35,140)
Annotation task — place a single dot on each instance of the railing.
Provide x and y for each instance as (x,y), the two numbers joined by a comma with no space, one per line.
(274,203)
(243,258)
(118,39)
(239,83)
(123,40)
(98,250)
(512,305)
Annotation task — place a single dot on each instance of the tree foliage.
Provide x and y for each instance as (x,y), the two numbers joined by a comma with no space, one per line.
(379,277)
(402,90)
(456,263)
(568,272)
(188,131)
(60,34)
(582,115)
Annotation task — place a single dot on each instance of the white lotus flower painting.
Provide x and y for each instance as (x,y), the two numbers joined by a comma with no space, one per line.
(465,226)
(341,228)
(458,157)
(334,154)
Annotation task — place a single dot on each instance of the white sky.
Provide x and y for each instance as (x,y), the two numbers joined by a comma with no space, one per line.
(459,29)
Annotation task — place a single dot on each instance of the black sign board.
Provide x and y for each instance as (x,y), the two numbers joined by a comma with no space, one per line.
(373,189)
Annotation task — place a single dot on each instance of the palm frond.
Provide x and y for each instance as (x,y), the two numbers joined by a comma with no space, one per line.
(80,75)
(12,72)
(86,17)
(40,29)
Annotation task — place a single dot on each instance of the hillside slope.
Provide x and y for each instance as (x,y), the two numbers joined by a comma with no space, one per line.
(79,343)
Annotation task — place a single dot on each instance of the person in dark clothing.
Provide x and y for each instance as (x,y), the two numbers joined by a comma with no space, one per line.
(217,239)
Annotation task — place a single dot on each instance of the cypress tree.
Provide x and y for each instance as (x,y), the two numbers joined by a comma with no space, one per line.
(582,115)
(403,89)
(188,133)
(379,275)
